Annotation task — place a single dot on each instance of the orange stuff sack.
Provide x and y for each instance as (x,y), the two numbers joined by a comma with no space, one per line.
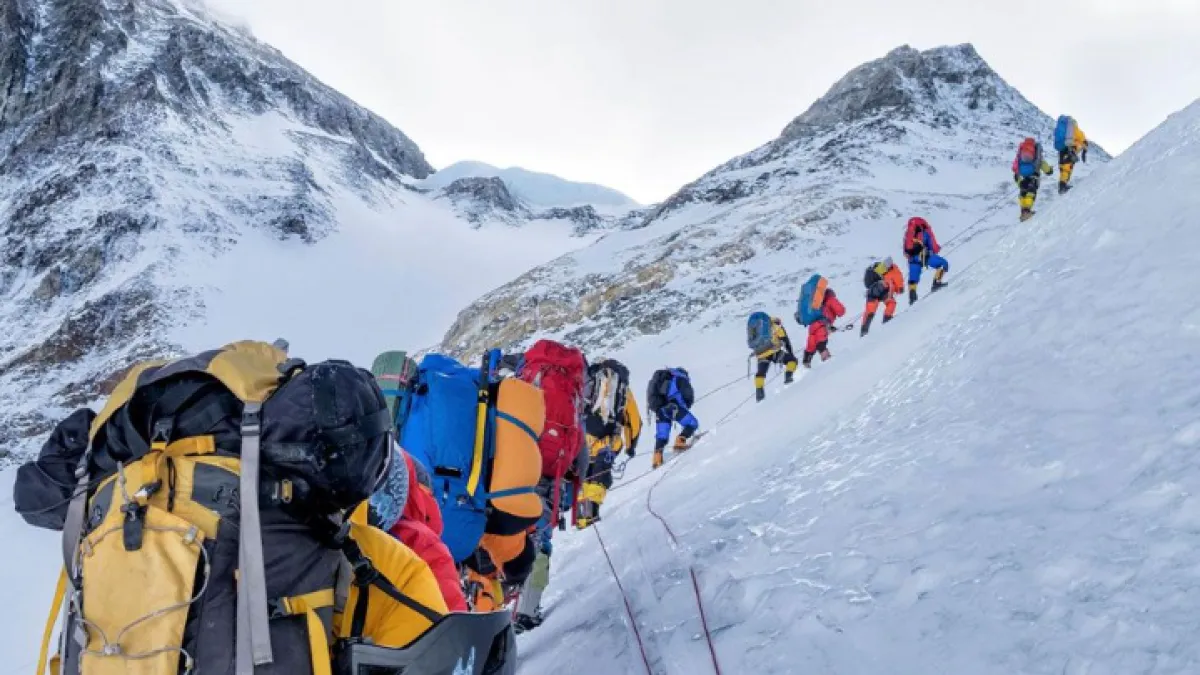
(520,416)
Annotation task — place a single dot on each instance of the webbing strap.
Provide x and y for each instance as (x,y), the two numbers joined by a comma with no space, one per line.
(76,511)
(511,492)
(253,631)
(60,593)
(500,414)
(318,641)
(481,420)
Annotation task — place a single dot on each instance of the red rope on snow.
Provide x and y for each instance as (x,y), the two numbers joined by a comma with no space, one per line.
(712,649)
(628,607)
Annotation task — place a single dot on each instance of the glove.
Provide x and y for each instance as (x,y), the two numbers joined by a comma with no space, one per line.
(833,328)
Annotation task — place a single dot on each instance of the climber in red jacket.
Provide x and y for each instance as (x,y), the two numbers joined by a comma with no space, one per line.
(405,507)
(818,331)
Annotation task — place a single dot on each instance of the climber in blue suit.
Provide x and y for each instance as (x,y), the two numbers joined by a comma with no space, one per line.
(671,397)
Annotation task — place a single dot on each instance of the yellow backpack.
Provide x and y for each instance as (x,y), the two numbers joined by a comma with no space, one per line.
(189,554)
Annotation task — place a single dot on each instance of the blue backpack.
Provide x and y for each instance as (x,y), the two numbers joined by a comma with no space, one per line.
(440,434)
(812,300)
(759,333)
(1064,132)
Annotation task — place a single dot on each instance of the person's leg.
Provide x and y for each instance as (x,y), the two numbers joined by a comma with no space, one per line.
(889,308)
(822,340)
(662,434)
(868,315)
(914,278)
(789,367)
(1066,164)
(760,378)
(810,347)
(940,266)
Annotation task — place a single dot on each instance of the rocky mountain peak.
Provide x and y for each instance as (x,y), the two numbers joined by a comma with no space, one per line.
(485,193)
(907,83)
(75,72)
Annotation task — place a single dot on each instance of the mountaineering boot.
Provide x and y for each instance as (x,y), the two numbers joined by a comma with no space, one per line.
(1063,187)
(789,377)
(887,318)
(1026,214)
(912,293)
(807,360)
(759,394)
(657,460)
(825,355)
(938,285)
(862,332)
(682,443)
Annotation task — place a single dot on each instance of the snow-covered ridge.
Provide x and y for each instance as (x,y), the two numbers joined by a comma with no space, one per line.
(539,190)
(916,133)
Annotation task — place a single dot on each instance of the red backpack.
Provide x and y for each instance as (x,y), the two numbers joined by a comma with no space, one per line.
(559,371)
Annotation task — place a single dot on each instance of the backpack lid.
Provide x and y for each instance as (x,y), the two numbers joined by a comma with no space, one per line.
(250,370)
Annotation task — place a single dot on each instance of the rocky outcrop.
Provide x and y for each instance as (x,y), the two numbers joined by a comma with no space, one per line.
(480,198)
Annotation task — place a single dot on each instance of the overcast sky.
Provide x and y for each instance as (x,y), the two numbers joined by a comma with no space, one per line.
(646,95)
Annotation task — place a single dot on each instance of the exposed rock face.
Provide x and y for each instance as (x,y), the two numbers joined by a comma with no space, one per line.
(135,135)
(929,133)
(479,198)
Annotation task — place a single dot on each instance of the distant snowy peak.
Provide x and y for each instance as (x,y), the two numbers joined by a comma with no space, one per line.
(538,190)
(481,193)
(938,84)
(917,108)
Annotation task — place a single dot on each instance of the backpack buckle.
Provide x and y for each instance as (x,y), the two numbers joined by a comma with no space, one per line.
(133,528)
(160,435)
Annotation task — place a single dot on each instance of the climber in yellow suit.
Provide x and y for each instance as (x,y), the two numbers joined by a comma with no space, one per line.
(608,433)
(781,352)
(1075,151)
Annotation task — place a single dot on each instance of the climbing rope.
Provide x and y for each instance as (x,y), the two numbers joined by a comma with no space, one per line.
(628,607)
(712,649)
(995,206)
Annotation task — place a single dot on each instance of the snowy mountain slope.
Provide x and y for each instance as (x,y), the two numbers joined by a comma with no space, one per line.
(1001,481)
(169,182)
(930,133)
(540,190)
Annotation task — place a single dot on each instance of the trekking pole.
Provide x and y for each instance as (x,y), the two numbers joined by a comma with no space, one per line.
(749,358)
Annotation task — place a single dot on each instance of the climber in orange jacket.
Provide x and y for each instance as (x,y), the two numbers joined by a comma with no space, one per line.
(884,281)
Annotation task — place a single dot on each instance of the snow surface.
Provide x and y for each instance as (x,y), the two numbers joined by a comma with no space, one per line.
(536,189)
(1000,481)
